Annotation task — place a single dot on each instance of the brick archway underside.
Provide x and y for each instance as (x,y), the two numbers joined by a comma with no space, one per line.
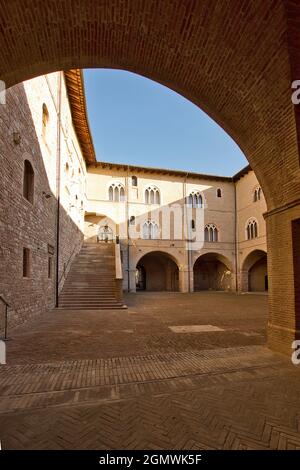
(233,59)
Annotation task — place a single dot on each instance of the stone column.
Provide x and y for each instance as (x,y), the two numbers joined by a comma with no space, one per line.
(244,281)
(283,236)
(183,279)
(132,280)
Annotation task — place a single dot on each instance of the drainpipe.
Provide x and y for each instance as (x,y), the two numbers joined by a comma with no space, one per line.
(127,224)
(187,226)
(235,239)
(58,169)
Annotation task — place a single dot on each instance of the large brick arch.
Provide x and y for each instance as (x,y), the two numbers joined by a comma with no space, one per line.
(230,58)
(234,59)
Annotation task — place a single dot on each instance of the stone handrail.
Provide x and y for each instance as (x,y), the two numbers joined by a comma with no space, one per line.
(119,272)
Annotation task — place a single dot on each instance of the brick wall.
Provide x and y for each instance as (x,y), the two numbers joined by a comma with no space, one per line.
(33,226)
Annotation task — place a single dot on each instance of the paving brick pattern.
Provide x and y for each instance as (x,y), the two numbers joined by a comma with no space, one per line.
(233,397)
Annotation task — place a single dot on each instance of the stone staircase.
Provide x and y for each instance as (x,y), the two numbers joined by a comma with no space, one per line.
(91,282)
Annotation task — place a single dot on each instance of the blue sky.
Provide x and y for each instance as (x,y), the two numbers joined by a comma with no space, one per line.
(137,121)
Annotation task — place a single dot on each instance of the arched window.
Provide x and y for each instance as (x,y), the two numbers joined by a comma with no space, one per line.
(132,220)
(134,181)
(150,230)
(105,234)
(116,192)
(195,199)
(152,195)
(193,226)
(219,192)
(252,229)
(257,194)
(211,233)
(28,181)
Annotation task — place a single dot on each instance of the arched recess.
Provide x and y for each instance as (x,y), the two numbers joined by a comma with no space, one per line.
(254,272)
(212,271)
(157,271)
(96,226)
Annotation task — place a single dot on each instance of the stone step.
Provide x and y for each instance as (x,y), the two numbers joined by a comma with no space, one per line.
(119,306)
(91,283)
(79,302)
(69,296)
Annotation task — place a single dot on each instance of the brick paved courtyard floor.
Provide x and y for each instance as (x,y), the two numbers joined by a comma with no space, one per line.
(173,371)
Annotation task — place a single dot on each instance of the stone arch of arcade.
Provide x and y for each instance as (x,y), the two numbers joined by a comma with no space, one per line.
(157,271)
(212,271)
(254,272)
(191,47)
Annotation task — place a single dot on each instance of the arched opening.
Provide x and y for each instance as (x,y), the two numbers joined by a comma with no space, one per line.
(212,272)
(255,272)
(140,278)
(105,234)
(99,228)
(28,181)
(157,271)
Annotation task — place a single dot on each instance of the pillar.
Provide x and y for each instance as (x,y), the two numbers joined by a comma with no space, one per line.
(243,284)
(132,284)
(183,280)
(283,236)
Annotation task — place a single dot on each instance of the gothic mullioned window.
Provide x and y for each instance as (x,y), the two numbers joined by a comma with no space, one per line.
(152,195)
(257,194)
(116,192)
(211,233)
(252,229)
(195,199)
(150,230)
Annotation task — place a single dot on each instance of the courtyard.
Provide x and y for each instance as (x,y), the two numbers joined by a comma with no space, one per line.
(173,371)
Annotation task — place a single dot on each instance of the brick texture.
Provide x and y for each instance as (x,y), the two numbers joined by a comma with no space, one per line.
(33,226)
